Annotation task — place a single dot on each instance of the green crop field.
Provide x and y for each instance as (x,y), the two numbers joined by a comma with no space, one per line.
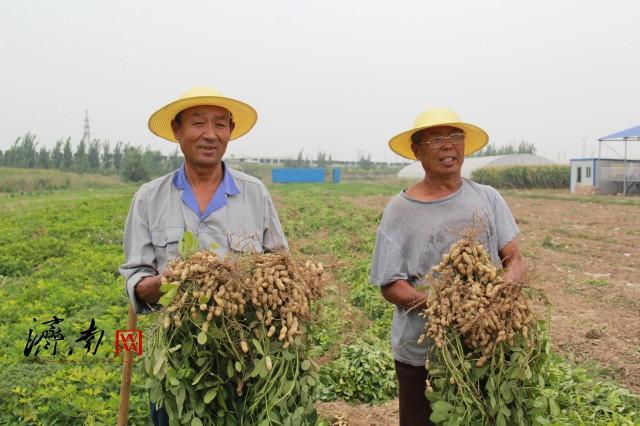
(59,255)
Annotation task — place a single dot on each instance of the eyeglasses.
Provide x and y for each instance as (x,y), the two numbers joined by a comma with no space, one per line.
(438,141)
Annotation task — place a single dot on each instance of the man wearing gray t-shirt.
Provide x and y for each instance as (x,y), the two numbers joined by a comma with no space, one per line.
(418,227)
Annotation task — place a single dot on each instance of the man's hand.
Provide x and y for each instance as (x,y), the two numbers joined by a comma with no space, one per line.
(513,262)
(404,294)
(148,289)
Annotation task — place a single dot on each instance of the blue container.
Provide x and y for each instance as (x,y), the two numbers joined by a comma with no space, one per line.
(297,175)
(335,174)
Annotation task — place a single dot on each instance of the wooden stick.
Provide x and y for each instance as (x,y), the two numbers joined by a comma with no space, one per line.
(125,383)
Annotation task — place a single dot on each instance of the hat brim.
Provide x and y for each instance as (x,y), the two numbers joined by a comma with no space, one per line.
(244,116)
(475,139)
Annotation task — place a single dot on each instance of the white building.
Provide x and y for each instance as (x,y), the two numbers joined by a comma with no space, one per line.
(414,171)
(584,175)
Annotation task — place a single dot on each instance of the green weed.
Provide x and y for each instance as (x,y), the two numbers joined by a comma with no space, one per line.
(363,372)
(596,282)
(550,244)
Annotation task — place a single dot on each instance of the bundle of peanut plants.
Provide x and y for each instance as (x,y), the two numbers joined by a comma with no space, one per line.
(488,350)
(230,345)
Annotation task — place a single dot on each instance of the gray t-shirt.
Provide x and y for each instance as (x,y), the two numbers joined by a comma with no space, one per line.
(412,238)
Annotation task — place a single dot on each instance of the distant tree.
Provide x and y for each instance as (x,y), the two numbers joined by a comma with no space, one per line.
(8,158)
(523,147)
(44,159)
(321,159)
(154,162)
(93,156)
(364,161)
(526,147)
(175,159)
(67,155)
(117,156)
(133,168)
(31,150)
(106,158)
(56,155)
(300,159)
(22,153)
(131,163)
(80,161)
(488,151)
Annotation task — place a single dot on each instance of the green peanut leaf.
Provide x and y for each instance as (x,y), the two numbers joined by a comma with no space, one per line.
(553,407)
(159,360)
(188,244)
(180,397)
(168,296)
(505,391)
(442,406)
(210,395)
(166,287)
(258,346)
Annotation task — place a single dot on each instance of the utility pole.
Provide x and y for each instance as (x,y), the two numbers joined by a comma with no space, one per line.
(87,133)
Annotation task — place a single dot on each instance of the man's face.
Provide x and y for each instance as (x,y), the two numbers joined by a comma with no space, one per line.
(203,133)
(445,160)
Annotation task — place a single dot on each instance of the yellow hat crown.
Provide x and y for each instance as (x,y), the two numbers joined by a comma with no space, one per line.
(435,117)
(475,137)
(244,116)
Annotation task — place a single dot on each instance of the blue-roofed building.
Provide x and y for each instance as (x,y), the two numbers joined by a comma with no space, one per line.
(608,175)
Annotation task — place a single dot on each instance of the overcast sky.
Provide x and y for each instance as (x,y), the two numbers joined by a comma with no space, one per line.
(338,76)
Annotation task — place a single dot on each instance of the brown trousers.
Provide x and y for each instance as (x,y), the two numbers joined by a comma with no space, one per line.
(414,406)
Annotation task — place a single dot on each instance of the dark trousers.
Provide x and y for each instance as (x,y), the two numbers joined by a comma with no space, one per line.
(159,416)
(414,406)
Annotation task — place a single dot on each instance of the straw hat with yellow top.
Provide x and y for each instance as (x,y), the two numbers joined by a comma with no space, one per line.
(474,137)
(243,115)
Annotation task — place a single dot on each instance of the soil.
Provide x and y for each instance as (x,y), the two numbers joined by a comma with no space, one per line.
(586,258)
(341,413)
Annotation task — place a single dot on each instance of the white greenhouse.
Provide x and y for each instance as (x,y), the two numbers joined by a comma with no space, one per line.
(414,171)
